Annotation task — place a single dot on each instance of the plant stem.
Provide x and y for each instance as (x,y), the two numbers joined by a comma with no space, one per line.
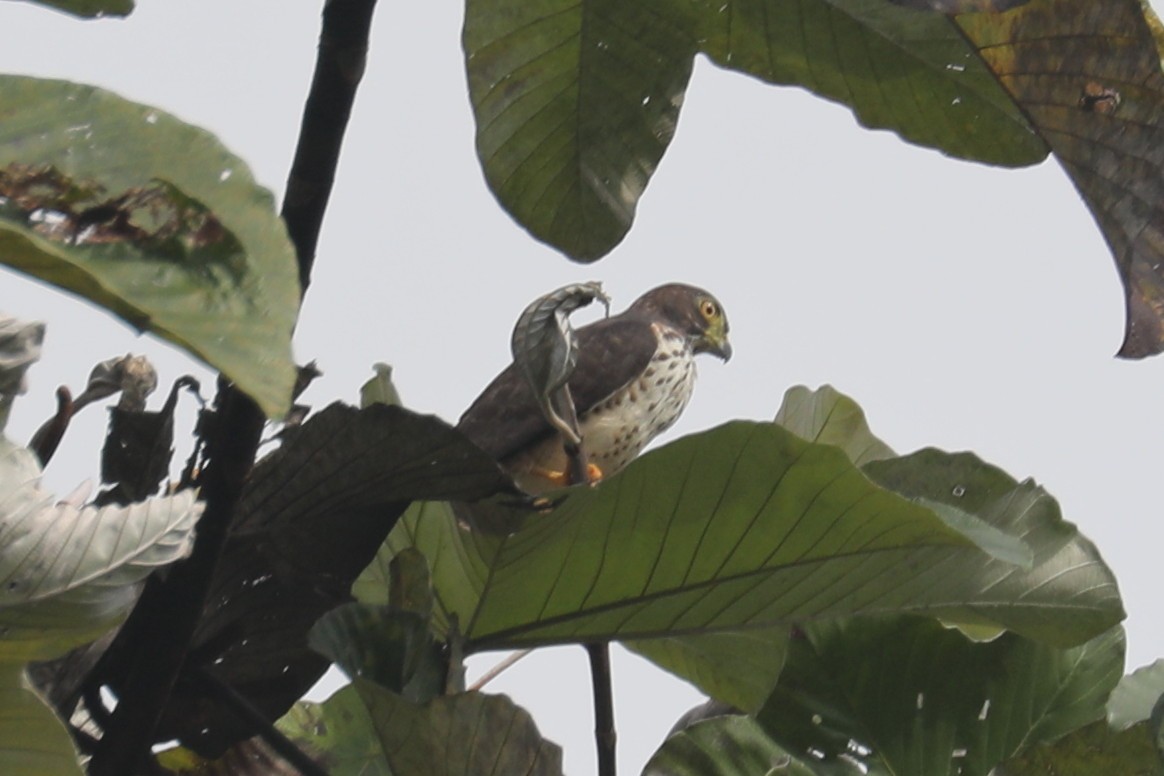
(498,669)
(604,734)
(167,615)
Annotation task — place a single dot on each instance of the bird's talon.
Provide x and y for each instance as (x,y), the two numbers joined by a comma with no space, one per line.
(594,474)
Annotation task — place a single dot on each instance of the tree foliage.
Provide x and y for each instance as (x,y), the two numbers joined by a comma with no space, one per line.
(848,609)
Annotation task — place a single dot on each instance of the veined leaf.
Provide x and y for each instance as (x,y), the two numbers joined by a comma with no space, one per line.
(155,221)
(830,417)
(458,735)
(736,745)
(1135,696)
(69,573)
(739,668)
(747,526)
(909,697)
(576,100)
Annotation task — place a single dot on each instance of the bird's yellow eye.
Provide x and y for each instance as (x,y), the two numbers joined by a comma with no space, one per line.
(708,308)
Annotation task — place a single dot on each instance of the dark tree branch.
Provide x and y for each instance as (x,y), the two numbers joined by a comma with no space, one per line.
(343,49)
(167,615)
(238,704)
(604,734)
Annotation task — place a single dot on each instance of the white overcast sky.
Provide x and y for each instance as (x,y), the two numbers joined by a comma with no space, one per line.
(964,307)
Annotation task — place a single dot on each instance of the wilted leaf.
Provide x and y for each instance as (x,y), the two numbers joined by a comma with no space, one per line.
(909,697)
(152,219)
(1087,75)
(772,530)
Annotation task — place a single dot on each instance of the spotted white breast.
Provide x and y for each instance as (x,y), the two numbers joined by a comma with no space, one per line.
(617,429)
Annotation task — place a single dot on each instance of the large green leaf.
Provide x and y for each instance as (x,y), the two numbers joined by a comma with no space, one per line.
(90,9)
(739,668)
(576,100)
(1089,751)
(773,530)
(899,68)
(909,697)
(575,103)
(1066,572)
(152,219)
(736,746)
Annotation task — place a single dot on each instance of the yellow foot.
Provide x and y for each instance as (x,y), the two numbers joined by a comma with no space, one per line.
(562,479)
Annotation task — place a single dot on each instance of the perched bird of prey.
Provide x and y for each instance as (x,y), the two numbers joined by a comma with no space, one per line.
(635,373)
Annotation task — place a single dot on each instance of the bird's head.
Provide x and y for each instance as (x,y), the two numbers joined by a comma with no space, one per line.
(693,311)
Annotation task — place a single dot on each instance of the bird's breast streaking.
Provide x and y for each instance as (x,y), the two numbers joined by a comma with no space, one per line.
(634,375)
(616,430)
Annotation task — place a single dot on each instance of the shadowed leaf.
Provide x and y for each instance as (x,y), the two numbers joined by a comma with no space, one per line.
(458,735)
(389,647)
(909,697)
(89,8)
(773,531)
(1088,77)
(311,518)
(736,746)
(155,221)
(739,668)
(576,102)
(1092,750)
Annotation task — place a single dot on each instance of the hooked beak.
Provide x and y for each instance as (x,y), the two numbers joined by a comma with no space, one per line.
(715,341)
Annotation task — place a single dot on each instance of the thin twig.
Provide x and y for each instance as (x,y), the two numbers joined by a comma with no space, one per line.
(499,669)
(604,734)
